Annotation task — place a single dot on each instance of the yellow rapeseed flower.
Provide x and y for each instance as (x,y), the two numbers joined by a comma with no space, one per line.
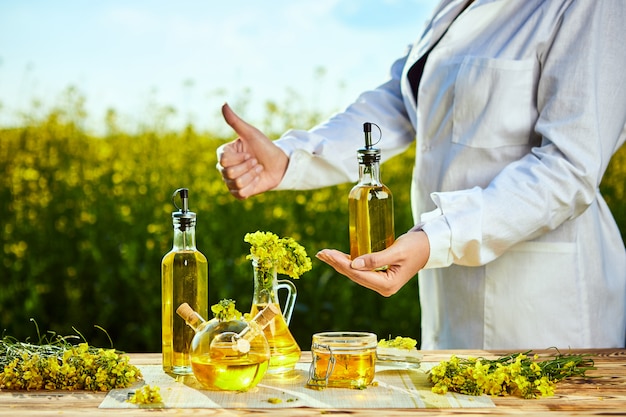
(509,375)
(146,395)
(225,310)
(269,251)
(60,365)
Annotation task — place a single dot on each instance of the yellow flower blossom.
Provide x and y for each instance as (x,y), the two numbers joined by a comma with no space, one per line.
(285,254)
(146,395)
(225,310)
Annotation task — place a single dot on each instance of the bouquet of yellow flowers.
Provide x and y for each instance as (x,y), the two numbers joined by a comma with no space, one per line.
(285,254)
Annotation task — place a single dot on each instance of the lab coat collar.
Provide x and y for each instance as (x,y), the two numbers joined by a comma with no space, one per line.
(443,16)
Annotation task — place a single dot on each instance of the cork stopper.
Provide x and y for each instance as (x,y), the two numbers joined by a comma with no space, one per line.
(266,315)
(187,313)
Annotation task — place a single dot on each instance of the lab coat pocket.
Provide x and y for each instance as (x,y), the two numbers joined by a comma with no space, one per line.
(494,102)
(533,293)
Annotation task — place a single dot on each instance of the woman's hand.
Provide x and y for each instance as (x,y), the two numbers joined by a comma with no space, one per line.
(251,164)
(408,254)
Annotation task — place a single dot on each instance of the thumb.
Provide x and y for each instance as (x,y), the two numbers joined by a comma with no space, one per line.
(370,261)
(245,130)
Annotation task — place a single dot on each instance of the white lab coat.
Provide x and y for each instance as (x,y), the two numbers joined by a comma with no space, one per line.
(521,105)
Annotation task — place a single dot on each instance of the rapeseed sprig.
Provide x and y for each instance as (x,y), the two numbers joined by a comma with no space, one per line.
(56,364)
(399,342)
(269,251)
(146,395)
(225,310)
(517,374)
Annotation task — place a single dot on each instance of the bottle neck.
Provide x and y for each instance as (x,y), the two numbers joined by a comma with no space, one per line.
(184,237)
(369,173)
(260,321)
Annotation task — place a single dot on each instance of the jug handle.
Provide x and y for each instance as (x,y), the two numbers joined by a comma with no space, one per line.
(290,302)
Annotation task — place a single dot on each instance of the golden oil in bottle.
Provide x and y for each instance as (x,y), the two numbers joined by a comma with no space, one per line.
(229,372)
(371,219)
(184,279)
(370,204)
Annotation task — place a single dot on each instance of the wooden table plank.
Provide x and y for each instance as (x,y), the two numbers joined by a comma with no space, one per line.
(603,392)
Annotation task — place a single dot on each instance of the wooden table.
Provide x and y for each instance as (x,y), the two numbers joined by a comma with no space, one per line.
(602,393)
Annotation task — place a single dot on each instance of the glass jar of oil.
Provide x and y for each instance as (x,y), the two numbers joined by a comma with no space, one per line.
(184,278)
(342,360)
(370,204)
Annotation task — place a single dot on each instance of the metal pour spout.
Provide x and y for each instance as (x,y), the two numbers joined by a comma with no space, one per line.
(183,218)
(367,130)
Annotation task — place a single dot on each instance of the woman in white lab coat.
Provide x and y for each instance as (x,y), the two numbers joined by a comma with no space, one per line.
(517,108)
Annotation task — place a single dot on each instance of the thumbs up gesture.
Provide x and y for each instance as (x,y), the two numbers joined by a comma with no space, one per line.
(251,164)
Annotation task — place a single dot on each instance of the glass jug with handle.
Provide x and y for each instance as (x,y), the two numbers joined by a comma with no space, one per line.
(284,350)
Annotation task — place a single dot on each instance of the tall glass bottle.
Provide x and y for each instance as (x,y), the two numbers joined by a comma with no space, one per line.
(184,278)
(370,204)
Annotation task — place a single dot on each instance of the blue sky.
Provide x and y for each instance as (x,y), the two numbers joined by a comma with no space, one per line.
(193,55)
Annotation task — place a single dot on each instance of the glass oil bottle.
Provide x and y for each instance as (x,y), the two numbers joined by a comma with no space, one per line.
(229,355)
(184,278)
(370,204)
